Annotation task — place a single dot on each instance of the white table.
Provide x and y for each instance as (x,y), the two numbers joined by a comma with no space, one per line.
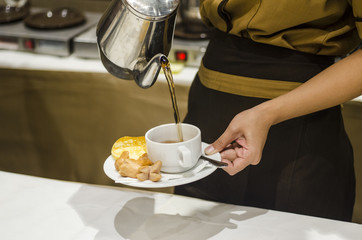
(39,208)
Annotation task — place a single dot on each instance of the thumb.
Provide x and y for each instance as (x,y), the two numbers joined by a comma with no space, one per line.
(225,139)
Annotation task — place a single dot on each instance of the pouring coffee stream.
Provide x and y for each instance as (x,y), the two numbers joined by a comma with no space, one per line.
(171,85)
(134,38)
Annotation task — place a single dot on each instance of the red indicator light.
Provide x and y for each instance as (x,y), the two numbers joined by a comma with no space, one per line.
(181,56)
(29,44)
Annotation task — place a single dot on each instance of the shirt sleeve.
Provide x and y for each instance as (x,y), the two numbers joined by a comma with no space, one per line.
(357,12)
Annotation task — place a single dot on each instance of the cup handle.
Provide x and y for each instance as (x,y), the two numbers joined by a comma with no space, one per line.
(186,160)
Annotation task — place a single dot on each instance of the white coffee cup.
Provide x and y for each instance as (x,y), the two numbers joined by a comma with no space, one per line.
(176,156)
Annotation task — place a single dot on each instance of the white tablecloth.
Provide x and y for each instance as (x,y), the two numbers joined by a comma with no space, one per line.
(39,208)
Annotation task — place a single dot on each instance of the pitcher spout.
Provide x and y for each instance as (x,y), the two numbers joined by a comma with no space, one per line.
(146,73)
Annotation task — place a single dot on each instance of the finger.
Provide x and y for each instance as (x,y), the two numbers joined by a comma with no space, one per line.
(241,152)
(224,140)
(229,146)
(236,166)
(240,142)
(229,154)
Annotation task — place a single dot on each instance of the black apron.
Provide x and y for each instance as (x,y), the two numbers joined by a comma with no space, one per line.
(307,162)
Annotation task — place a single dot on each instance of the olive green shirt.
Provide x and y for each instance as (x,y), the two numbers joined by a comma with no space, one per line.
(323,27)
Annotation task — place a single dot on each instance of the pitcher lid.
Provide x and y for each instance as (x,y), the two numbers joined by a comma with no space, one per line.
(154,8)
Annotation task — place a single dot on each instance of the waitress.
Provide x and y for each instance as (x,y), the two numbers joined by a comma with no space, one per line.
(267,96)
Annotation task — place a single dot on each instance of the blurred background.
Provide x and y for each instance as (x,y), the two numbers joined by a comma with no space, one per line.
(86,5)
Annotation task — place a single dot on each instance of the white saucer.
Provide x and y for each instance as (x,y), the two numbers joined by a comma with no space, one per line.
(166,180)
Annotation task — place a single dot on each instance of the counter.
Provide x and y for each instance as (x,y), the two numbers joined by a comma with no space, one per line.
(38,208)
(30,61)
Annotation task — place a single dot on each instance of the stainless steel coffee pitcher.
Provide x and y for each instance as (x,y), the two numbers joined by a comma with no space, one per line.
(133,36)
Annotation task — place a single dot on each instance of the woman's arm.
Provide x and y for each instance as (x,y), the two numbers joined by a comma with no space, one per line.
(335,85)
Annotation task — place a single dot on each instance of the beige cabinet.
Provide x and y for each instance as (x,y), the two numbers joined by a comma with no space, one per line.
(62,125)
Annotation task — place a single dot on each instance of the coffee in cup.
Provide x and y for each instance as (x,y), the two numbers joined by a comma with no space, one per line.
(163,144)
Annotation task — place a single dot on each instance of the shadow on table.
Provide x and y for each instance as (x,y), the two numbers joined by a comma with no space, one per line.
(113,214)
(198,224)
(109,213)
